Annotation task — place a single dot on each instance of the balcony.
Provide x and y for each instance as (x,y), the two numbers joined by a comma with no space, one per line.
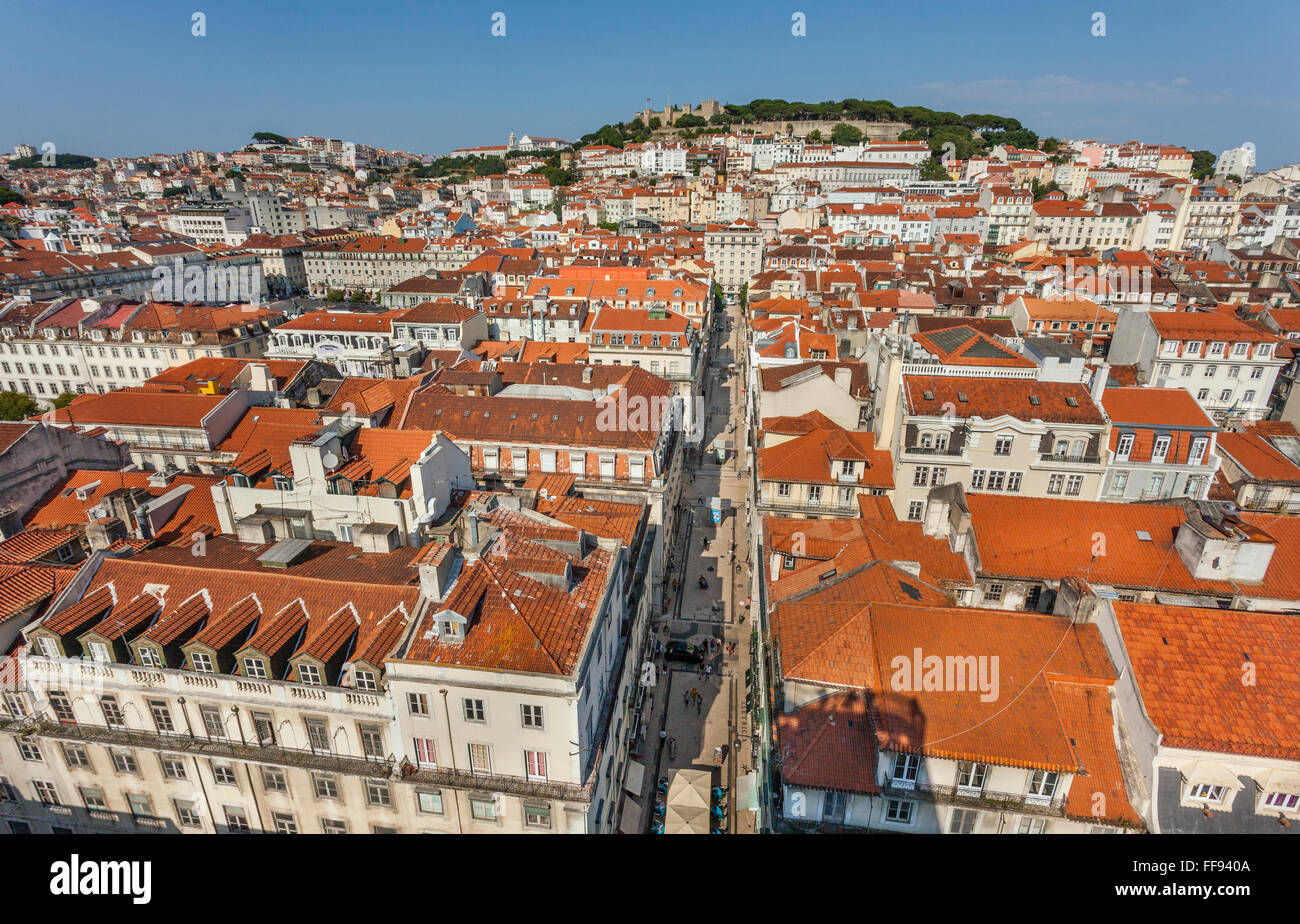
(832,507)
(1051,458)
(979,799)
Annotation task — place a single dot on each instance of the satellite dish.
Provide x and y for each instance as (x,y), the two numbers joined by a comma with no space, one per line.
(330,460)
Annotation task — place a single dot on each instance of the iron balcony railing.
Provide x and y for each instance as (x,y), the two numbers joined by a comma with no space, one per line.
(983,799)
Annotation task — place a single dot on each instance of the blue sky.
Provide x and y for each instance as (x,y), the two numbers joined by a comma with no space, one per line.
(118,77)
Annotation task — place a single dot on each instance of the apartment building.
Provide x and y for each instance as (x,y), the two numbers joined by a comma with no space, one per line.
(1229,366)
(355,342)
(211,223)
(312,687)
(95,346)
(1009,213)
(736,252)
(1162,445)
(1261,466)
(662,341)
(376,487)
(1012,436)
(810,466)
(368,265)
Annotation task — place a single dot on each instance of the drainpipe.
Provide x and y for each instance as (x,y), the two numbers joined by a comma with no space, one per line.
(446,711)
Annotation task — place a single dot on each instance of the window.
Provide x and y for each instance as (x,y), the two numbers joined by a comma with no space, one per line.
(429,801)
(537,816)
(962,821)
(273,780)
(474,710)
(482,808)
(187,813)
(149,657)
(46,792)
(1186,371)
(783,489)
(1202,394)
(899,811)
(255,667)
(915,509)
(1285,801)
(480,758)
(325,785)
(417,703)
(162,717)
(236,820)
(1118,482)
(971,775)
(372,741)
(977,479)
(224,774)
(173,767)
(1124,446)
(1197,454)
(212,723)
(30,750)
(993,592)
(906,768)
(7,791)
(318,735)
(1074,485)
(264,728)
(309,674)
(284,823)
(93,798)
(1042,784)
(1161,449)
(921,477)
(16,705)
(201,662)
(997,481)
(365,680)
(1028,825)
(140,804)
(1002,445)
(532,716)
(62,707)
(124,761)
(333,826)
(1204,792)
(1013,481)
(74,755)
(1211,371)
(535,765)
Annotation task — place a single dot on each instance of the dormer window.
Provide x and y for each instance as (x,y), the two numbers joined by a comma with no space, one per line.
(450,630)
(202,662)
(255,668)
(365,680)
(309,674)
(148,657)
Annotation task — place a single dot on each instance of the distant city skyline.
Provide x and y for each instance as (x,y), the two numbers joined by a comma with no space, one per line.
(428,80)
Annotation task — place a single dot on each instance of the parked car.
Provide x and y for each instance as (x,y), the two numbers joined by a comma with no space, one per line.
(683,651)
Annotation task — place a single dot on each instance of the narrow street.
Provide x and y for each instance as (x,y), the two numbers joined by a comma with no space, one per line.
(699,705)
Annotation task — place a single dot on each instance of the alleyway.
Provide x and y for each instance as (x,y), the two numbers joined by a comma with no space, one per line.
(701,706)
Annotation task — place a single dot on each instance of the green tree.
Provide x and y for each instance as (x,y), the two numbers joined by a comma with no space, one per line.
(845,134)
(7,195)
(815,136)
(63,400)
(690,120)
(358,298)
(1203,164)
(655,124)
(271,138)
(931,169)
(15,405)
(608,225)
(1042,189)
(173,191)
(334,295)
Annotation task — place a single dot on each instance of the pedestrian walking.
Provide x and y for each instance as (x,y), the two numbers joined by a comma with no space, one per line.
(663,736)
(708,670)
(686,699)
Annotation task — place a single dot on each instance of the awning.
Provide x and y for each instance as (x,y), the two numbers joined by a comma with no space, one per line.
(1276,780)
(1210,773)
(635,777)
(630,823)
(747,793)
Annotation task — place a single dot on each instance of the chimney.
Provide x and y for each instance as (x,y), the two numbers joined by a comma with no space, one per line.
(1099,375)
(586,375)
(844,378)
